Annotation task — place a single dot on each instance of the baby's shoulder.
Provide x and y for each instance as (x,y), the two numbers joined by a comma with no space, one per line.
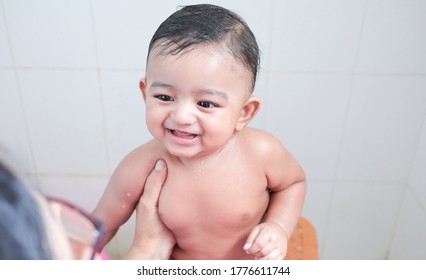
(260,144)
(146,154)
(152,147)
(256,138)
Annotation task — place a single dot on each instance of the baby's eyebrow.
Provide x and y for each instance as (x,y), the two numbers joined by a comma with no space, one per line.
(209,91)
(158,84)
(214,92)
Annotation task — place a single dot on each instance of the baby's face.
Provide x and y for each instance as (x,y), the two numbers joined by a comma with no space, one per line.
(194,99)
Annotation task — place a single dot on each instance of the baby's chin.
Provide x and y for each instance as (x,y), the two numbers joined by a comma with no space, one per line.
(189,156)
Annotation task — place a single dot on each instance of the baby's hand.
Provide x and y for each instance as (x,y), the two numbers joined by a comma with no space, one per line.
(267,241)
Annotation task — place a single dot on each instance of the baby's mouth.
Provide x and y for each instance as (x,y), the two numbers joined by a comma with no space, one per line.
(182,134)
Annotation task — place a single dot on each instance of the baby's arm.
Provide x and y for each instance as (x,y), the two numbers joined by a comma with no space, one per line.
(124,190)
(287,183)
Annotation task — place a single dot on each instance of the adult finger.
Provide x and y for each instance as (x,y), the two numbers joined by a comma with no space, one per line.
(154,183)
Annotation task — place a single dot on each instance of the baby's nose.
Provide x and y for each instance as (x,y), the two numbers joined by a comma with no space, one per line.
(183,114)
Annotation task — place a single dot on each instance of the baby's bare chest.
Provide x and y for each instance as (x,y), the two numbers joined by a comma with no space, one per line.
(222,197)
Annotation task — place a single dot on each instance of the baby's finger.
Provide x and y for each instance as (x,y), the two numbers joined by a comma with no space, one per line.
(261,241)
(273,255)
(251,238)
(265,250)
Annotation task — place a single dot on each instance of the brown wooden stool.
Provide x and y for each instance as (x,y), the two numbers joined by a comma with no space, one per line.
(303,243)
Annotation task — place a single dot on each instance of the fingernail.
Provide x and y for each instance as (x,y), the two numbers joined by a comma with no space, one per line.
(159,165)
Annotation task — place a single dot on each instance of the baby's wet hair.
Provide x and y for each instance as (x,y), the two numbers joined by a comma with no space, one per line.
(208,24)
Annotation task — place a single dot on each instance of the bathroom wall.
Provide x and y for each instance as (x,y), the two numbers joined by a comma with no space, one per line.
(343,86)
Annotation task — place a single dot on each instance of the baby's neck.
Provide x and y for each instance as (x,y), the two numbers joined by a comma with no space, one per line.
(208,159)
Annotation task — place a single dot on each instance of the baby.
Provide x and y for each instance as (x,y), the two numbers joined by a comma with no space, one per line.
(232,192)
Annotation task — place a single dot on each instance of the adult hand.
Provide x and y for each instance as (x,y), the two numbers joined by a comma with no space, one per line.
(152,240)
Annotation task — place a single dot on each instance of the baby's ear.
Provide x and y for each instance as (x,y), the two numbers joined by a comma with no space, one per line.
(248,112)
(142,86)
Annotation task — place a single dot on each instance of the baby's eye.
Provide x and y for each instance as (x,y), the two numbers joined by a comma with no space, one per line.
(206,104)
(163,97)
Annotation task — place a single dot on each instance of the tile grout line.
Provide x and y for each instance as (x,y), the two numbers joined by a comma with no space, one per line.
(100,90)
(343,131)
(15,69)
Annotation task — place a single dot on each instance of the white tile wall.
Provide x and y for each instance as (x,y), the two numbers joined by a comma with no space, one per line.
(409,240)
(5,54)
(393,38)
(384,119)
(418,172)
(307,113)
(124,30)
(316,35)
(361,221)
(65,121)
(51,33)
(342,84)
(124,131)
